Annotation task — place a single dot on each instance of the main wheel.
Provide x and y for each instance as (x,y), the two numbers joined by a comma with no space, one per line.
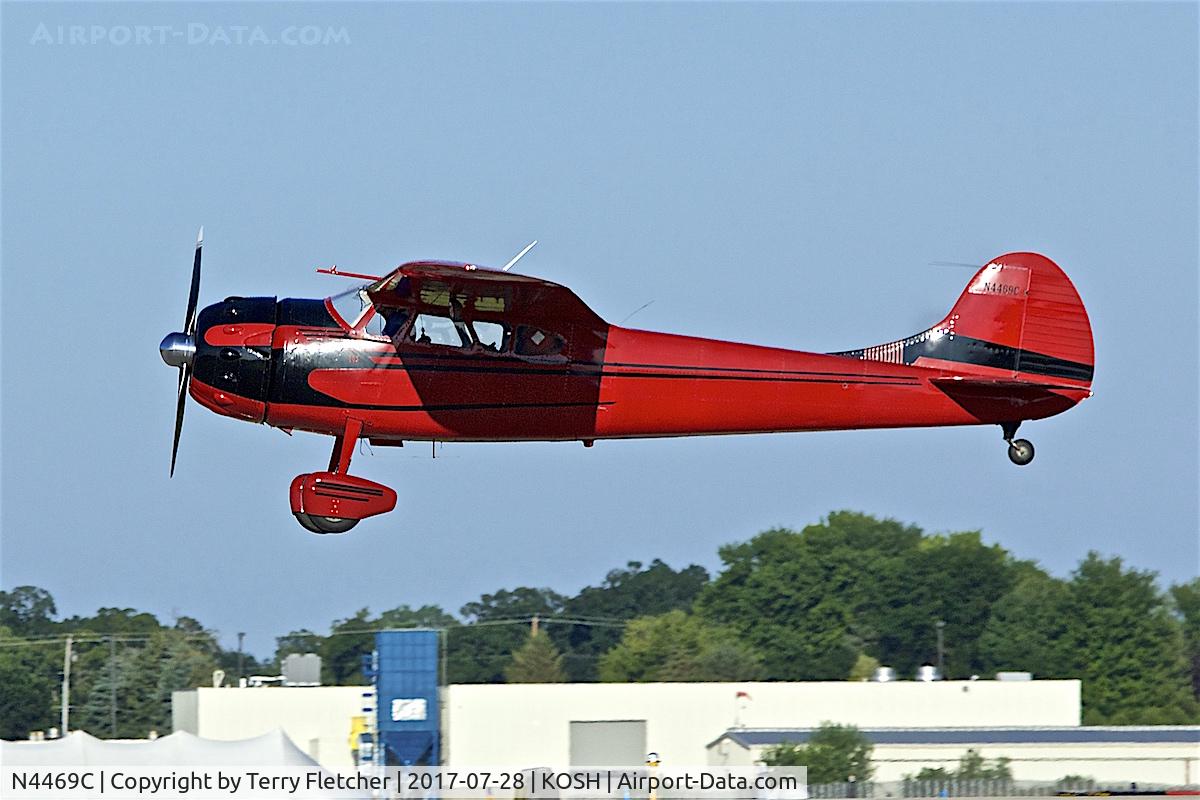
(1020,451)
(318,524)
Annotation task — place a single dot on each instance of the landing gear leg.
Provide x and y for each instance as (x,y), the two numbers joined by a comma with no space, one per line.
(343,447)
(1020,451)
(339,463)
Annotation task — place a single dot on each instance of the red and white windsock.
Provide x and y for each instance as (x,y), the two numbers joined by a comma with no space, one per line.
(739,705)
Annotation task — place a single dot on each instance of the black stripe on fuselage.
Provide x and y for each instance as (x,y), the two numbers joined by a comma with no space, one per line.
(463,406)
(409,358)
(969,350)
(588,371)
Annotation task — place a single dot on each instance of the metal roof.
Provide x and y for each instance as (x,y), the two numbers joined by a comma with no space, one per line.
(748,737)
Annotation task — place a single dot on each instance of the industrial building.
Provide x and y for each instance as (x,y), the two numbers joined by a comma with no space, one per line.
(520,723)
(318,719)
(1160,754)
(405,716)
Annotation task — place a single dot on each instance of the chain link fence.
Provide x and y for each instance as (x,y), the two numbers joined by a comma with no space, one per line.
(954,787)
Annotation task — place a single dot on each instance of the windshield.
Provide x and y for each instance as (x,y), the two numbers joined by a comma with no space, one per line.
(351,304)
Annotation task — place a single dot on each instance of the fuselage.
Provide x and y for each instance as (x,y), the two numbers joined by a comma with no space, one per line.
(298,364)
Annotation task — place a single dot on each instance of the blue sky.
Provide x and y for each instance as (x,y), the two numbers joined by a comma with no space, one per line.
(780,174)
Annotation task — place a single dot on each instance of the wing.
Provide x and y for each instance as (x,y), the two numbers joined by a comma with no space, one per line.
(433,284)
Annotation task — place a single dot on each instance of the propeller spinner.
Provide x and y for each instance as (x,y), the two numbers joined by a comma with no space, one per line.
(178,349)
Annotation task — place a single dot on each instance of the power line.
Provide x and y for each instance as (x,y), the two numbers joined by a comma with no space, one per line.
(102,638)
(522,621)
(98,638)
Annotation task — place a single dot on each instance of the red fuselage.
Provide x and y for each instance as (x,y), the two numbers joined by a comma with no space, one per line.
(606,383)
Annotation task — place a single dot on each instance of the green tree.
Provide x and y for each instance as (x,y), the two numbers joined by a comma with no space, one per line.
(130,655)
(104,673)
(353,638)
(479,651)
(538,661)
(954,578)
(27,611)
(179,662)
(833,754)
(343,649)
(116,620)
(27,686)
(774,590)
(971,766)
(1031,629)
(144,674)
(625,593)
(864,668)
(1130,647)
(117,652)
(812,601)
(301,642)
(229,660)
(1186,598)
(1108,626)
(677,646)
(427,616)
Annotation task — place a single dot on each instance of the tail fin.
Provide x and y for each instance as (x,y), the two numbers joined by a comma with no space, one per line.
(1019,318)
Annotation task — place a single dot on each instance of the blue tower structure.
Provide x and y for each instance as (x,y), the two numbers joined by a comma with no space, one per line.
(408,716)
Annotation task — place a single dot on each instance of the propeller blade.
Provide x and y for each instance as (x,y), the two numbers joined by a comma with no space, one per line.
(185,377)
(182,348)
(189,320)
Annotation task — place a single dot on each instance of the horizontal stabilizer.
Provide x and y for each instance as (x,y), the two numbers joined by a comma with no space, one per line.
(1005,399)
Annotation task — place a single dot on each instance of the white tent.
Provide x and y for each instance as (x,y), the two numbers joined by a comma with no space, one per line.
(180,749)
(272,752)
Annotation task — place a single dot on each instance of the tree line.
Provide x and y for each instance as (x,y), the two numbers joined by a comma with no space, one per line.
(828,602)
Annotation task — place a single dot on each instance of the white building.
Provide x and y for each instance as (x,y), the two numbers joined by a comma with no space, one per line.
(914,724)
(606,723)
(1161,754)
(618,723)
(317,719)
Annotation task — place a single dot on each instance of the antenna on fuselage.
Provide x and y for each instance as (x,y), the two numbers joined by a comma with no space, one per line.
(519,256)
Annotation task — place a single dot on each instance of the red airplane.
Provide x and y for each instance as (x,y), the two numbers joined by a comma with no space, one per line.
(446,351)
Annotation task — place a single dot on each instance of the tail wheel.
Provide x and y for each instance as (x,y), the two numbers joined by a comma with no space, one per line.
(322,525)
(1020,451)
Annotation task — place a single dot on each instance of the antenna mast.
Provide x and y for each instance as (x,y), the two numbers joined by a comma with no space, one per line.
(519,256)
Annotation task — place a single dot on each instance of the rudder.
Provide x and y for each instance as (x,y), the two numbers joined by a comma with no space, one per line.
(1019,316)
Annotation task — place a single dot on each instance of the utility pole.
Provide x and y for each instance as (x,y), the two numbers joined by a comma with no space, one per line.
(66,689)
(941,652)
(112,686)
(533,626)
(241,660)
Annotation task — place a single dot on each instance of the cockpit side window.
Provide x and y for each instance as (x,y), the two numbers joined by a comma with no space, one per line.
(492,337)
(393,320)
(533,341)
(436,329)
(453,331)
